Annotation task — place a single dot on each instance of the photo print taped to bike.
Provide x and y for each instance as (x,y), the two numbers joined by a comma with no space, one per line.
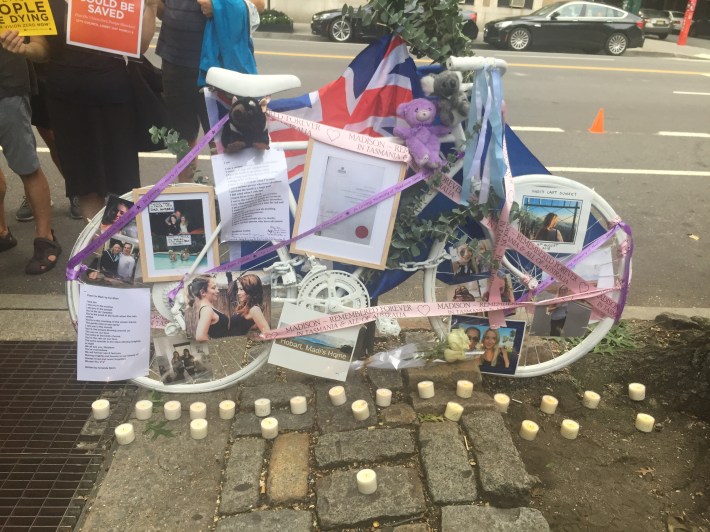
(174,229)
(179,360)
(570,320)
(335,180)
(499,356)
(327,355)
(553,217)
(224,305)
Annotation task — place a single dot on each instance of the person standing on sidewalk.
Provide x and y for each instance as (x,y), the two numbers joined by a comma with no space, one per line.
(20,150)
(180,47)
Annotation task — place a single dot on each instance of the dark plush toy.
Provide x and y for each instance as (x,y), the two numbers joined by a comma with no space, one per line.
(246,127)
(422,138)
(453,105)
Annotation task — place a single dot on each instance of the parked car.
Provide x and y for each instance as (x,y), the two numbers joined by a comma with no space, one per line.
(584,25)
(700,28)
(333,25)
(676,20)
(657,22)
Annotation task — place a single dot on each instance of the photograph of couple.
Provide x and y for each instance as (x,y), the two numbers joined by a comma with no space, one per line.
(500,348)
(226,304)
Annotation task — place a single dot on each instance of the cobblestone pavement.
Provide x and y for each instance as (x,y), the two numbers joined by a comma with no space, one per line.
(432,474)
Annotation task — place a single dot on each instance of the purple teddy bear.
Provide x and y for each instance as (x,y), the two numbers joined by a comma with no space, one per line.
(422,138)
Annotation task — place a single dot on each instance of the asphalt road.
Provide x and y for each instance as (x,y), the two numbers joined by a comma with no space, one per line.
(652,164)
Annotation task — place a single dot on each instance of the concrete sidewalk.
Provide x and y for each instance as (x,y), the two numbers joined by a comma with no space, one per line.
(695,49)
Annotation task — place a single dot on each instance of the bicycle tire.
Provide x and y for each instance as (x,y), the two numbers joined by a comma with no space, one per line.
(234,367)
(602,215)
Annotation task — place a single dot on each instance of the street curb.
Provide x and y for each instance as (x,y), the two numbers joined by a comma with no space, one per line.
(21,315)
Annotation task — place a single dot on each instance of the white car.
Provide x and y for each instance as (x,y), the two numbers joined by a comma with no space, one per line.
(676,20)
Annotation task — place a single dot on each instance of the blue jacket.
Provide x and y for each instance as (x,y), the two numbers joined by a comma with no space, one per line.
(227,42)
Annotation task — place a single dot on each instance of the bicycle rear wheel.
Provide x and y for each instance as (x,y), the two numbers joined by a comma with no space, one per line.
(540,353)
(228,360)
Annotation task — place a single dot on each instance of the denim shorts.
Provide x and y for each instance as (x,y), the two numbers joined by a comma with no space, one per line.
(16,136)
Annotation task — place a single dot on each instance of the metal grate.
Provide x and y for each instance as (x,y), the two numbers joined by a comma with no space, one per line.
(50,449)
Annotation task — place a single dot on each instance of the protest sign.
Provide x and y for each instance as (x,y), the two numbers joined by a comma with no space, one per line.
(108,25)
(28,17)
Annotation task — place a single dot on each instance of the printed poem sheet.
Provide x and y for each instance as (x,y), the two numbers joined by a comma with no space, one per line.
(252,190)
(114,333)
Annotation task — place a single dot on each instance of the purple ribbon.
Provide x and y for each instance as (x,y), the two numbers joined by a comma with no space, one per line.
(73,273)
(365,204)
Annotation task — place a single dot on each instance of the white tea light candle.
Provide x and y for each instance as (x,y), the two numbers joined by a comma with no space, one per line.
(548,404)
(298,405)
(360,410)
(464,389)
(366,481)
(591,399)
(637,391)
(453,411)
(100,409)
(569,429)
(502,402)
(269,428)
(262,407)
(528,430)
(383,397)
(645,423)
(124,434)
(227,409)
(198,428)
(198,410)
(144,409)
(172,410)
(337,395)
(426,389)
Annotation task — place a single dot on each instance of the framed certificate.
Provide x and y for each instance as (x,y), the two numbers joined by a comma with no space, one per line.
(335,180)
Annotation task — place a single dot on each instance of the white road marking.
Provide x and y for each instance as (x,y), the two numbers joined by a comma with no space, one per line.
(538,129)
(626,171)
(683,134)
(692,93)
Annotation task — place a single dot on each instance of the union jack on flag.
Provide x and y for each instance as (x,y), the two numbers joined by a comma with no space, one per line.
(363,99)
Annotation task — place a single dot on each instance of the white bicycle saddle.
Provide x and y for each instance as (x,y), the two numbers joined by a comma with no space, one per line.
(250,85)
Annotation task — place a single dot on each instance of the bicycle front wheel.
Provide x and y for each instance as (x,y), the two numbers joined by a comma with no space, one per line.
(549,341)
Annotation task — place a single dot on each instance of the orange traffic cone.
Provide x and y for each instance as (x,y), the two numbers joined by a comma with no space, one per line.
(598,124)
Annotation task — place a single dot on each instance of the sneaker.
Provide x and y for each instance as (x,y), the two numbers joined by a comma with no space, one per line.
(24,213)
(74,210)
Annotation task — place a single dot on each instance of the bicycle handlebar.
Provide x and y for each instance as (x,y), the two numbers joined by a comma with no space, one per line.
(476,63)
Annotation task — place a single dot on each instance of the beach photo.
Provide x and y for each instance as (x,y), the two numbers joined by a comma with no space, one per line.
(174,229)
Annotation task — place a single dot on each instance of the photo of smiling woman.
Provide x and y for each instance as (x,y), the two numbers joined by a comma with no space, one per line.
(247,295)
(203,295)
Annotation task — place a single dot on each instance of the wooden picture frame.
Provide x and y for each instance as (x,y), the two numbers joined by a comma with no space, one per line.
(173,230)
(335,179)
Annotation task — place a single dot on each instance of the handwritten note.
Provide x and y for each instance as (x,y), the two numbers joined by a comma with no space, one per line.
(252,190)
(114,333)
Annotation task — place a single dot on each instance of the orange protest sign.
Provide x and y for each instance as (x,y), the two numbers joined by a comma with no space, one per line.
(28,17)
(108,25)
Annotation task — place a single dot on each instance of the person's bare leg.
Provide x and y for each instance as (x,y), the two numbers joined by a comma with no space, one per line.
(37,193)
(90,205)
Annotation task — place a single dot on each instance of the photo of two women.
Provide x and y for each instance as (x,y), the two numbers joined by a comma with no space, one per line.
(227,304)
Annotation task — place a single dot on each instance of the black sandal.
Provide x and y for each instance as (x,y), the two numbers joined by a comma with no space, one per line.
(44,248)
(7,242)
